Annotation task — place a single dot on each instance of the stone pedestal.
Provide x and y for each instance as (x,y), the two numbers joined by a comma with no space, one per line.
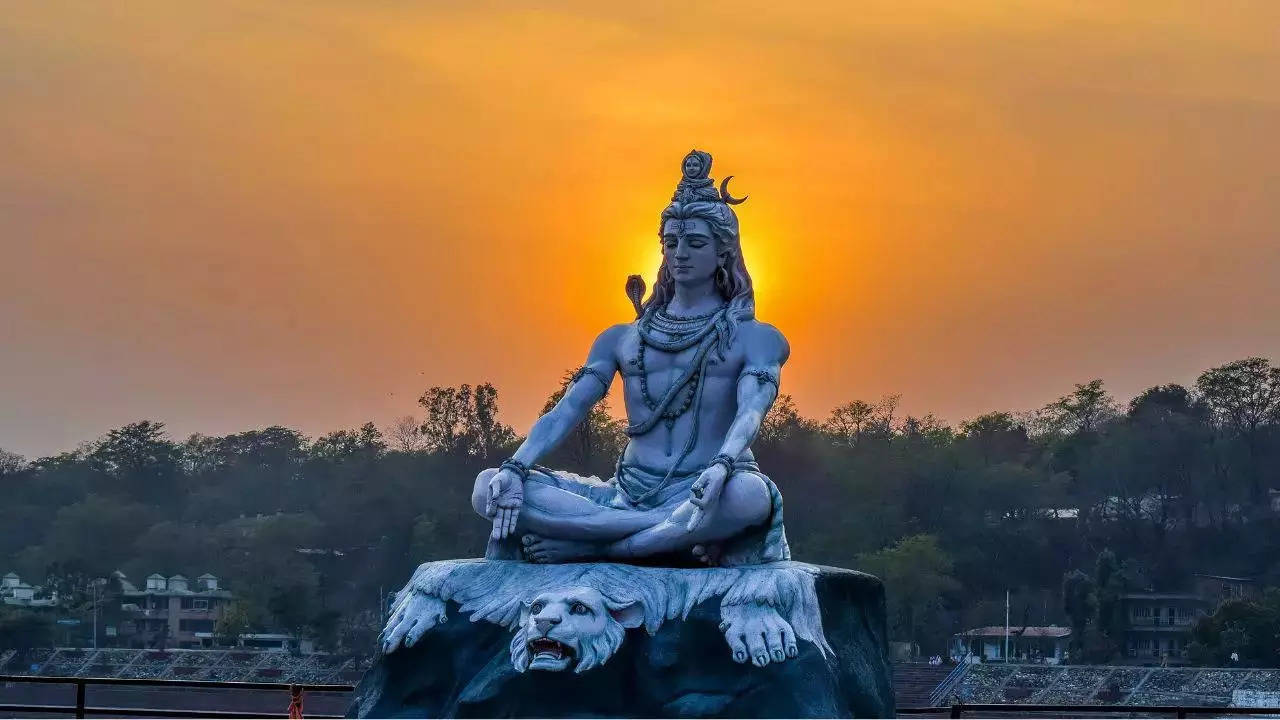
(685,669)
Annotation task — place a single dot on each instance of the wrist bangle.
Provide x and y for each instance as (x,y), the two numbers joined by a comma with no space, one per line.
(516,467)
(725,460)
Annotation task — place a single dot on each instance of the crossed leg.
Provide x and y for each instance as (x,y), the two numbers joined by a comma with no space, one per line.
(549,511)
(744,502)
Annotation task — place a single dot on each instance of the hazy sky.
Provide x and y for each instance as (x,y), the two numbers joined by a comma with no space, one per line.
(226,215)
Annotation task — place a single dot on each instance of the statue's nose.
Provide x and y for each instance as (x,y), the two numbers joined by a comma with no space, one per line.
(544,623)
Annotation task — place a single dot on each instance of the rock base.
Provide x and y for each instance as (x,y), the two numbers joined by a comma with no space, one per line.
(463,669)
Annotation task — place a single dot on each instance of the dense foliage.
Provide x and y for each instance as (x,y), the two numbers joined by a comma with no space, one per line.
(1240,632)
(311,534)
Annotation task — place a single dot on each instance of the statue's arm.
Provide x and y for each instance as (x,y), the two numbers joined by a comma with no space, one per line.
(591,384)
(766,352)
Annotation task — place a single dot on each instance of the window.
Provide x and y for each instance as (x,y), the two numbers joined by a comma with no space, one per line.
(200,604)
(195,625)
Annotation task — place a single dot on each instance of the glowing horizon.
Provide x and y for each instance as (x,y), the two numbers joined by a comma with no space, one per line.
(230,215)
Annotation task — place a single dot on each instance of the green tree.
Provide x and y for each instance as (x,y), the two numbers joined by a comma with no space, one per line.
(1249,628)
(234,622)
(1079,604)
(996,437)
(464,420)
(141,462)
(21,629)
(1081,411)
(849,421)
(595,444)
(916,573)
(95,535)
(11,463)
(1109,586)
(1245,398)
(275,586)
(782,422)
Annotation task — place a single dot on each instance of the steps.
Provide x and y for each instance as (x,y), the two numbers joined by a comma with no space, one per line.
(913,683)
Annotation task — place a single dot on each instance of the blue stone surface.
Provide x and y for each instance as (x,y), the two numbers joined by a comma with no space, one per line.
(463,669)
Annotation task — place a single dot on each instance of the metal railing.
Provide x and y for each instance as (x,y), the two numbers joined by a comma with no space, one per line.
(80,709)
(944,688)
(959,710)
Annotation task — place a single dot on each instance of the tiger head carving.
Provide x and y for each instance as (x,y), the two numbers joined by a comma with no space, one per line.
(575,627)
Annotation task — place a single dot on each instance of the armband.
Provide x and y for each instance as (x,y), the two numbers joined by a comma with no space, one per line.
(588,370)
(763,376)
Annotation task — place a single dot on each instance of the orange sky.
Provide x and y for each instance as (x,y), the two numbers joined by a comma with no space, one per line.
(226,215)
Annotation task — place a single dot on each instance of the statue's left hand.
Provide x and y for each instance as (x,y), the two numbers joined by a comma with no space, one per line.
(705,492)
(506,496)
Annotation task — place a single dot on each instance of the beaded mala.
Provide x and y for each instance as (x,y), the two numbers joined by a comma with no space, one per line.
(706,332)
(679,329)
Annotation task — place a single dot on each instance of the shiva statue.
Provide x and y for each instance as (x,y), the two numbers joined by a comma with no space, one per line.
(699,373)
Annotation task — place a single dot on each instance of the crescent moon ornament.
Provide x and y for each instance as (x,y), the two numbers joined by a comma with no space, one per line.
(724,193)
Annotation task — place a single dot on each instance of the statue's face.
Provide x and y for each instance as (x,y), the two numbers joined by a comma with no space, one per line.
(689,250)
(692,166)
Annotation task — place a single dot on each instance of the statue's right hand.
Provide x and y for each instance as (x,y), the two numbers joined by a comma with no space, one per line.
(506,496)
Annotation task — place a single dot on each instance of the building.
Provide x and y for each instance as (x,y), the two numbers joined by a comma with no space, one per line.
(1026,644)
(170,612)
(1159,624)
(1217,588)
(15,592)
(269,642)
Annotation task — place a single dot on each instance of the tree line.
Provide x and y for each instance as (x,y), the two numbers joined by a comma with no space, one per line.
(311,534)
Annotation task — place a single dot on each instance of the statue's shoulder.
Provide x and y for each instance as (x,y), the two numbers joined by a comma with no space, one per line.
(763,339)
(619,331)
(612,336)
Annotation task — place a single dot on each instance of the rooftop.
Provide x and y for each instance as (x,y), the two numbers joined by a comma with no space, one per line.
(1225,577)
(1049,631)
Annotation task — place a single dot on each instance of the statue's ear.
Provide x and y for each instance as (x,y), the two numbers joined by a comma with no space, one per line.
(629,614)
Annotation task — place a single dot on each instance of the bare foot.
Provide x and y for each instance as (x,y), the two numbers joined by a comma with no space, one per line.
(708,554)
(547,550)
(681,514)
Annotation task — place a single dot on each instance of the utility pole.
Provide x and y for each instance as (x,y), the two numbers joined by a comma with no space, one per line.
(1006,625)
(96,586)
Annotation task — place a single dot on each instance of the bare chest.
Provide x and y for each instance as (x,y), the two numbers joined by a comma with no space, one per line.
(635,359)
